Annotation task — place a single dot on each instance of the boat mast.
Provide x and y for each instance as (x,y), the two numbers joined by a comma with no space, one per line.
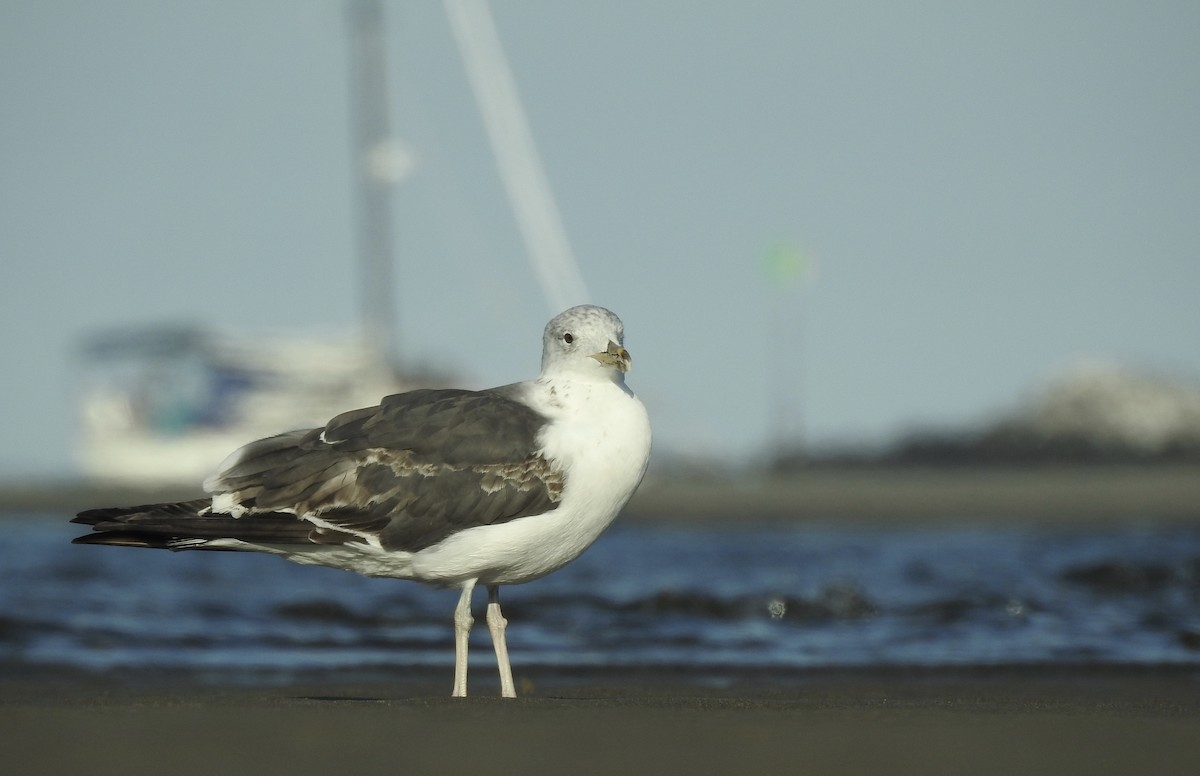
(378,166)
(516,154)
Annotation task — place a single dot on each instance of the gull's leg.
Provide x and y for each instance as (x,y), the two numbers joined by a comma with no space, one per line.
(496,624)
(462,630)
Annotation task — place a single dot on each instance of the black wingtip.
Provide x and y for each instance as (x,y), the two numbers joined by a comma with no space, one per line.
(168,509)
(95,516)
(122,539)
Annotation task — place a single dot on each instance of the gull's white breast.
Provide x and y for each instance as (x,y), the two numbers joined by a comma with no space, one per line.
(599,436)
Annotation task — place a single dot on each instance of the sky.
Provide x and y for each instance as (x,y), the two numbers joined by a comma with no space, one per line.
(983,193)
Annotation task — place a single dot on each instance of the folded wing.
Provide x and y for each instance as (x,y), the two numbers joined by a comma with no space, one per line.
(402,476)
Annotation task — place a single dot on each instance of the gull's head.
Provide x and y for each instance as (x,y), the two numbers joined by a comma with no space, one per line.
(585,339)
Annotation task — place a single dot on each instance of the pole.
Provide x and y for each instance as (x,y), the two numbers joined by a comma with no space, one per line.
(375,176)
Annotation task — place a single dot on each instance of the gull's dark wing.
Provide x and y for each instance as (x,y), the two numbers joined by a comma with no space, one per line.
(407,473)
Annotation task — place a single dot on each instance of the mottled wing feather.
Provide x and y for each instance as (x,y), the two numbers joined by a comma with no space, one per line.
(448,426)
(411,471)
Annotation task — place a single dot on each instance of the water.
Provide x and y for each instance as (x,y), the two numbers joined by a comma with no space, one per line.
(701,601)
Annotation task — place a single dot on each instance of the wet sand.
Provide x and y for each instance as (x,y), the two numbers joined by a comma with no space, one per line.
(999,721)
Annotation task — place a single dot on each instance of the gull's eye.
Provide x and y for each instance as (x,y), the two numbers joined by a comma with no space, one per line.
(568,338)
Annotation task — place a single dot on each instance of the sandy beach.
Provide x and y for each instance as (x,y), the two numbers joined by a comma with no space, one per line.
(998,721)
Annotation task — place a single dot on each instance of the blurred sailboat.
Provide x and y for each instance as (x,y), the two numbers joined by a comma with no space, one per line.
(163,406)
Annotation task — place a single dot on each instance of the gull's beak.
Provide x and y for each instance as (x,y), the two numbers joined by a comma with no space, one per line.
(615,356)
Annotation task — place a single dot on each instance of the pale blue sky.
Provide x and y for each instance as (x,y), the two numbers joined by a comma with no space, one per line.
(991,192)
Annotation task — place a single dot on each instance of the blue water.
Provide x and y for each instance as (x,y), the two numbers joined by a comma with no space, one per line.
(703,600)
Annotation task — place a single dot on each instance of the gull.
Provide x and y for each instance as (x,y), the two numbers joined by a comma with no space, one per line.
(449,487)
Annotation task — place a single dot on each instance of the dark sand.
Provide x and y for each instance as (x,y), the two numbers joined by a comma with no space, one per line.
(998,721)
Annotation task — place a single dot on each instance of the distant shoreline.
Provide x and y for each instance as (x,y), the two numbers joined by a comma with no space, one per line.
(900,493)
(1057,494)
